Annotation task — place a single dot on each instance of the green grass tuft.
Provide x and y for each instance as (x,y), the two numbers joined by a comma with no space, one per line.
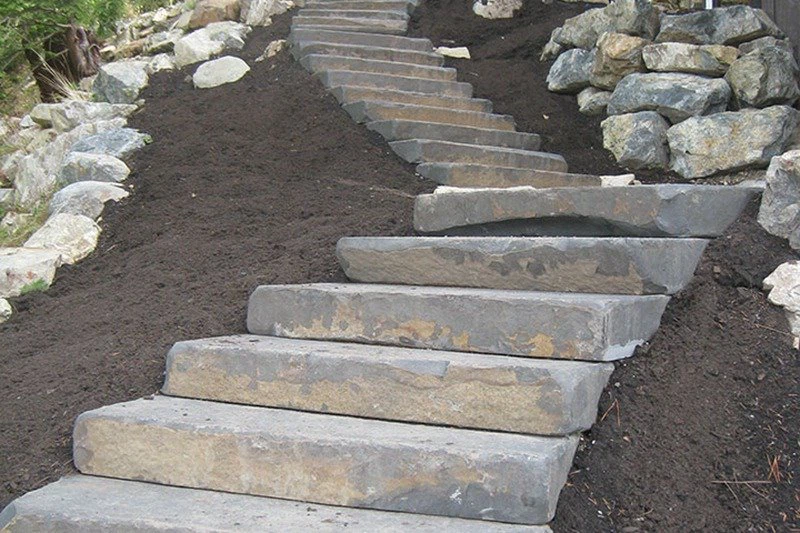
(39,285)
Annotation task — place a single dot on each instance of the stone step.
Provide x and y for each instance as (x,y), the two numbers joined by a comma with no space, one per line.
(326,459)
(397,27)
(397,130)
(384,14)
(568,264)
(432,151)
(360,39)
(304,48)
(337,78)
(533,324)
(378,5)
(317,63)
(432,387)
(349,94)
(370,111)
(89,504)
(636,211)
(469,175)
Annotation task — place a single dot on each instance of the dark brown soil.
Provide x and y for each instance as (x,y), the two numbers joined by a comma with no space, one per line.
(245,184)
(690,426)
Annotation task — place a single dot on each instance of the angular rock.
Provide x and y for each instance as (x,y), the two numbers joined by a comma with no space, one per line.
(214,39)
(208,11)
(764,77)
(324,459)
(617,56)
(162,42)
(706,60)
(783,286)
(675,96)
(82,166)
(119,143)
(496,9)
(5,313)
(40,114)
(160,62)
(593,101)
(92,504)
(220,71)
(560,264)
(6,197)
(72,113)
(583,30)
(780,204)
(570,72)
(21,267)
(121,82)
(273,48)
(85,198)
(457,52)
(704,146)
(72,236)
(260,12)
(637,140)
(402,384)
(727,25)
(769,43)
(634,17)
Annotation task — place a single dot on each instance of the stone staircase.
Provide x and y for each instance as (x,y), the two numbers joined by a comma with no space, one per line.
(445,390)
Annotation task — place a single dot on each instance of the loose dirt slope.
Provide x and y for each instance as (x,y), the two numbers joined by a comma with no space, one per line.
(245,184)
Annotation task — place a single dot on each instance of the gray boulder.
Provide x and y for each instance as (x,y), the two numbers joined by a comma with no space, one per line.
(637,140)
(72,113)
(219,72)
(210,41)
(593,101)
(41,115)
(764,77)
(706,60)
(583,31)
(570,72)
(119,143)
(121,82)
(87,198)
(162,42)
(676,96)
(260,12)
(160,62)
(634,17)
(617,56)
(82,166)
(496,9)
(780,203)
(72,236)
(769,42)
(726,25)
(704,146)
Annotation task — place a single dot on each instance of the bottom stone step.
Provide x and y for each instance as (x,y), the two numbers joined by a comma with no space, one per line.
(326,459)
(87,504)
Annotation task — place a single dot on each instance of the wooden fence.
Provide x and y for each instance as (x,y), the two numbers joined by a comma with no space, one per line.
(786,14)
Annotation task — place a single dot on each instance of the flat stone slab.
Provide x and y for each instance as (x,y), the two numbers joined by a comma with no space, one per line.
(380,5)
(533,324)
(431,151)
(568,264)
(637,211)
(337,78)
(21,267)
(379,14)
(326,459)
(513,394)
(471,175)
(319,62)
(370,111)
(360,39)
(401,130)
(303,48)
(349,94)
(89,504)
(396,27)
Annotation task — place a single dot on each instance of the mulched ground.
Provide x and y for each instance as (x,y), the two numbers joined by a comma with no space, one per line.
(692,425)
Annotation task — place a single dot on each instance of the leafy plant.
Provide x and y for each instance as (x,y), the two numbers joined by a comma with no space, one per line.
(39,285)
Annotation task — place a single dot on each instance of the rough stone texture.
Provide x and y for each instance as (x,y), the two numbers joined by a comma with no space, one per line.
(434,387)
(634,17)
(588,326)
(559,264)
(273,48)
(780,203)
(121,82)
(73,236)
(496,9)
(643,210)
(703,146)
(88,504)
(160,62)
(381,111)
(470,175)
(5,313)
(769,42)
(219,72)
(323,459)
(593,101)
(6,197)
(570,72)
(214,39)
(119,143)
(583,30)
(784,291)
(675,96)
(86,198)
(429,151)
(764,77)
(727,25)
(208,11)
(637,140)
(394,130)
(162,42)
(82,166)
(20,267)
(260,12)
(337,78)
(72,113)
(617,56)
(706,60)
(456,52)
(40,114)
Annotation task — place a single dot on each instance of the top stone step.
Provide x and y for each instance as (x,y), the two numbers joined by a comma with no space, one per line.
(356,13)
(378,5)
(360,39)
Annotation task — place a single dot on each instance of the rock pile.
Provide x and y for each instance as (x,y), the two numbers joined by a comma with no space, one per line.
(700,93)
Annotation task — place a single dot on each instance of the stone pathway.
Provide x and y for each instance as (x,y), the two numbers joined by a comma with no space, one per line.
(447,389)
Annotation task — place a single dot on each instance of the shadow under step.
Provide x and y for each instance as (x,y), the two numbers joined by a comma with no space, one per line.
(360,39)
(371,111)
(317,63)
(303,48)
(434,151)
(337,78)
(348,94)
(403,130)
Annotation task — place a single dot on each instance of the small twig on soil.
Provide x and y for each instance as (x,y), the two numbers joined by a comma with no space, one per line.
(614,404)
(756,481)
(775,469)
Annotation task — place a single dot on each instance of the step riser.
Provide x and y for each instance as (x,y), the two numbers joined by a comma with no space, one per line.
(310,458)
(365,5)
(370,112)
(442,388)
(637,211)
(303,49)
(351,24)
(400,130)
(475,176)
(397,83)
(604,266)
(557,326)
(321,63)
(348,95)
(415,152)
(351,13)
(360,39)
